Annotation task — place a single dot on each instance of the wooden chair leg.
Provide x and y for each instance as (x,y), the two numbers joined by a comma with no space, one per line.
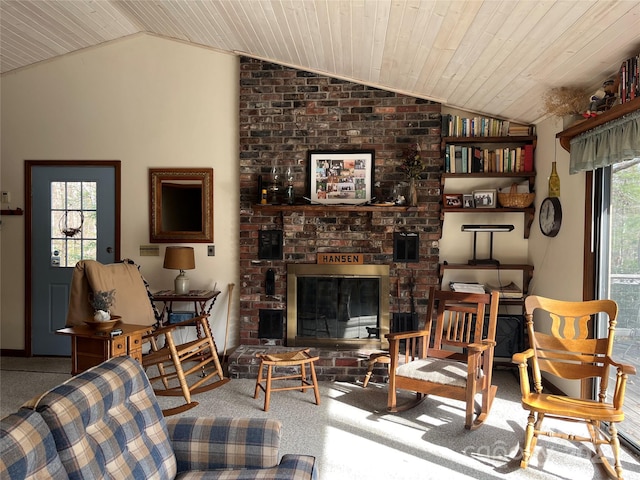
(182,380)
(316,390)
(528,441)
(259,380)
(303,376)
(267,390)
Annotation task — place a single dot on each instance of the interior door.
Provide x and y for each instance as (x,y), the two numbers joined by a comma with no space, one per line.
(74,216)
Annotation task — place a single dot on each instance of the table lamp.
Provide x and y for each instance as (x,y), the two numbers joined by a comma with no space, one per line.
(180,258)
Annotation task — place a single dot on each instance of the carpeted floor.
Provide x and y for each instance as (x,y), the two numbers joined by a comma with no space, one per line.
(354,437)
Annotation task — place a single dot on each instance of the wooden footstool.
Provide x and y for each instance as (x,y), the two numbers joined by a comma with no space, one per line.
(287,359)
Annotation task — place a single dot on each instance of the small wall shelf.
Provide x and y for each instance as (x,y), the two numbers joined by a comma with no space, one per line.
(531,176)
(529,214)
(16,211)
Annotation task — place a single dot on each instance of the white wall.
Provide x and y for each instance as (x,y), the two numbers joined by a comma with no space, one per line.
(558,261)
(144,100)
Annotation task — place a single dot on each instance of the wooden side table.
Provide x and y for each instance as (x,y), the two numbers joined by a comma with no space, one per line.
(90,347)
(200,298)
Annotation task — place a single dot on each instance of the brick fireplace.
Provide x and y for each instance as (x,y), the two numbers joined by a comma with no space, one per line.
(284,113)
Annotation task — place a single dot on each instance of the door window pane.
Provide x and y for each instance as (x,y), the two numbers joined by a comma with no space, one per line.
(73,221)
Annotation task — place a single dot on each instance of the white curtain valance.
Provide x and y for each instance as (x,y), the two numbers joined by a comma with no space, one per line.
(615,141)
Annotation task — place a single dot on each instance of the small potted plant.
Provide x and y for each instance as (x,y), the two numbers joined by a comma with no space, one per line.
(101,302)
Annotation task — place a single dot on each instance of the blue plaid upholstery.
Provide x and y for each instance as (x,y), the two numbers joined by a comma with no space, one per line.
(28,451)
(214,442)
(106,423)
(234,449)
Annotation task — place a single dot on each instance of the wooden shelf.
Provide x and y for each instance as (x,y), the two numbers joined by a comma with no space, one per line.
(17,211)
(531,176)
(527,275)
(579,128)
(528,214)
(508,140)
(339,208)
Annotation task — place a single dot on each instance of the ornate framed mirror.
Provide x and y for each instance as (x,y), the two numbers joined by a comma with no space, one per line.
(181,205)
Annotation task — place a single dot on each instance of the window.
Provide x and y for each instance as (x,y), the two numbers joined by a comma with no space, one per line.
(73,222)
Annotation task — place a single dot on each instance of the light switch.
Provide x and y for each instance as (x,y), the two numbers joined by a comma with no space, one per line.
(6,197)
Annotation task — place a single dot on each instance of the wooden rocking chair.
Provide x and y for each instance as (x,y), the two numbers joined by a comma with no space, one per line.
(183,369)
(176,363)
(567,352)
(457,362)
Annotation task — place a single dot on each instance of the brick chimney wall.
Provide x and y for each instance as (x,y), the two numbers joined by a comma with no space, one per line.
(284,113)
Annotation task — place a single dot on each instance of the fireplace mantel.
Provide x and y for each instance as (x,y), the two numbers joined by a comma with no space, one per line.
(339,208)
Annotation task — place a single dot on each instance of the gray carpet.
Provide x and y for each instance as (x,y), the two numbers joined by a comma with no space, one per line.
(354,437)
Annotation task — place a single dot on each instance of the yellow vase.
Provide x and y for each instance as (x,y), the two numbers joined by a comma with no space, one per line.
(554,182)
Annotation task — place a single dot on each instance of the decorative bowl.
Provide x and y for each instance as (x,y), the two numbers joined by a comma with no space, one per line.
(104,325)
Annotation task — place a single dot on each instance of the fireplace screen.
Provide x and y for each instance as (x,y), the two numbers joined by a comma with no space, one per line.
(327,306)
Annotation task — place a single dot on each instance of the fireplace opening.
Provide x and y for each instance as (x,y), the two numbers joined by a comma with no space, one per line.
(338,306)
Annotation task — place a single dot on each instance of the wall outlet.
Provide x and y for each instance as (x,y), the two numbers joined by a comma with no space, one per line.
(211,250)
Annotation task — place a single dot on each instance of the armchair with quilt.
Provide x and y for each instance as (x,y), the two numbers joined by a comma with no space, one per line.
(174,369)
(562,345)
(451,357)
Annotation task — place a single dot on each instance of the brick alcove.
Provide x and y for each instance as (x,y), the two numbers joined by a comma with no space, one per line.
(284,113)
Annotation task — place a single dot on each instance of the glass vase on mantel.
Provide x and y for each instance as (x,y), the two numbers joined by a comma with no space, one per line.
(412,193)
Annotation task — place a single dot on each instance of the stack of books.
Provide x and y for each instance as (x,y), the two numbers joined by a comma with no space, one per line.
(467,287)
(520,130)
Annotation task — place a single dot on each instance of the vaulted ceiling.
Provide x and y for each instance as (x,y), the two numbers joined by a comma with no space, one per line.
(493,57)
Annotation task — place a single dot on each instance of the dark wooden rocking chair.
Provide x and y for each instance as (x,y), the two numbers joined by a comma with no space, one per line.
(565,350)
(452,357)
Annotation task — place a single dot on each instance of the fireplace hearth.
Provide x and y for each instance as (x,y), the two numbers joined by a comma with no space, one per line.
(337,306)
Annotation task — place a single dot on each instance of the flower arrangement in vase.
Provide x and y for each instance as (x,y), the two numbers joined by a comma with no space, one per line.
(101,302)
(412,166)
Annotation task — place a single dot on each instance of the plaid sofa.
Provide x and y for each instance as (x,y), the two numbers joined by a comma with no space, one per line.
(106,423)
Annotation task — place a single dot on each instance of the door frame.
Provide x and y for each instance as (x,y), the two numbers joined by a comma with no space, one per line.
(28,212)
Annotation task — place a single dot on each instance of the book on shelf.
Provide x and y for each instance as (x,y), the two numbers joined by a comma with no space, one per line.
(467,287)
(476,159)
(457,126)
(510,290)
(629,86)
(520,130)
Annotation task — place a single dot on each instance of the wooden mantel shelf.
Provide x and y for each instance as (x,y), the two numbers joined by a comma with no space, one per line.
(338,208)
(579,128)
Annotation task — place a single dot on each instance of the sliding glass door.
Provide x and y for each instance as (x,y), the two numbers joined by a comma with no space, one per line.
(617,247)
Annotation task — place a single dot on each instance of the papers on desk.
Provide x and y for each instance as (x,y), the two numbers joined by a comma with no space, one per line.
(506,291)
(510,290)
(467,287)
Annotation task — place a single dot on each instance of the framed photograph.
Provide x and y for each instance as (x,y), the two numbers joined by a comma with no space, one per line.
(485,198)
(467,201)
(341,177)
(452,200)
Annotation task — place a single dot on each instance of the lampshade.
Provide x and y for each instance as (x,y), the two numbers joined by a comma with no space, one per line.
(179,258)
